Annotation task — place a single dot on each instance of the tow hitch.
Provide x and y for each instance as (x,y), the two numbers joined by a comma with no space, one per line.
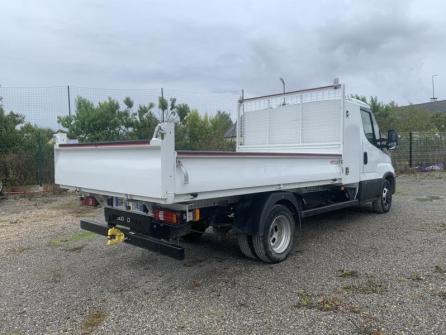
(114,236)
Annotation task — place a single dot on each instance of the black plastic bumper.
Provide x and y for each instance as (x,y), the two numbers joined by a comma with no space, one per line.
(139,240)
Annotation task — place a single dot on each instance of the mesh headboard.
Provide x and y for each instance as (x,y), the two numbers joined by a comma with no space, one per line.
(301,122)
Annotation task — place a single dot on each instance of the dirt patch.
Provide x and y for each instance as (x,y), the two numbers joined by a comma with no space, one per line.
(93,320)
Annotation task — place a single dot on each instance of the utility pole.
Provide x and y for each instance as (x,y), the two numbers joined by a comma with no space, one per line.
(283,87)
(69,100)
(433,88)
(162,111)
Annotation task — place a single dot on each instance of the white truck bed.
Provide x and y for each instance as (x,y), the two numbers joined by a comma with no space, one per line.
(290,146)
(135,171)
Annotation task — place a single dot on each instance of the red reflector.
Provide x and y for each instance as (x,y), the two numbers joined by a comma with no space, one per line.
(168,216)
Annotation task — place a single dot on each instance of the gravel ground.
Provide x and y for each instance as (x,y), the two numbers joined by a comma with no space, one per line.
(351,272)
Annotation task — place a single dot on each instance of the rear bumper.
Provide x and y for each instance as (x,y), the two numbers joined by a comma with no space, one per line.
(138,239)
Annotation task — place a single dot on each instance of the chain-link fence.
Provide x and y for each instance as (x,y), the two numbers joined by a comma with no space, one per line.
(422,151)
(42,105)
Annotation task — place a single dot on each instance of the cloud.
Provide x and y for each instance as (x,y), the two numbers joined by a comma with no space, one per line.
(388,49)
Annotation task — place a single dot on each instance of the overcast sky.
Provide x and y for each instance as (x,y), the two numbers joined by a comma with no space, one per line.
(384,48)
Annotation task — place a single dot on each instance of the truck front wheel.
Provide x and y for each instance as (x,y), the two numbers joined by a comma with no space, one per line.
(274,243)
(383,203)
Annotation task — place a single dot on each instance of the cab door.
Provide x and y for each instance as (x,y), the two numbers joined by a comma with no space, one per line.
(371,151)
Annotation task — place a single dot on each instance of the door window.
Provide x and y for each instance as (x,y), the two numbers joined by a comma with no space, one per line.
(371,129)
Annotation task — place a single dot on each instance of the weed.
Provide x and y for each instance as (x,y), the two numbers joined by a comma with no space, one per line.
(195,284)
(328,304)
(77,248)
(17,250)
(55,276)
(415,276)
(348,273)
(369,330)
(369,287)
(72,241)
(441,227)
(439,269)
(324,303)
(74,208)
(305,300)
(429,198)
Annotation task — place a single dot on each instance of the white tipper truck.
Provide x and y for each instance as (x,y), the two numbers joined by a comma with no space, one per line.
(298,154)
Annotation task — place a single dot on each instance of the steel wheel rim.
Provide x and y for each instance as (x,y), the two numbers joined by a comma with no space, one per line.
(386,197)
(280,234)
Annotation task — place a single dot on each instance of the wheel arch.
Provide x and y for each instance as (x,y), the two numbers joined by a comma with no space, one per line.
(391,178)
(252,211)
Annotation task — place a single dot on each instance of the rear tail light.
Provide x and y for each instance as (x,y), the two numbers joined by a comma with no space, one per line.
(167,216)
(89,201)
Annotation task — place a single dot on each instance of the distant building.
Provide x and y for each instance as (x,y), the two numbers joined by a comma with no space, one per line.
(231,133)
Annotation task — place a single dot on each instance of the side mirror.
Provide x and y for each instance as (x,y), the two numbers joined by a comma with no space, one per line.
(392,139)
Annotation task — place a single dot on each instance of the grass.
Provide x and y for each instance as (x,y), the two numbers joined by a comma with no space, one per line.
(324,303)
(73,242)
(429,198)
(369,330)
(17,250)
(74,208)
(92,321)
(441,227)
(368,287)
(415,276)
(348,273)
(55,276)
(439,269)
(442,294)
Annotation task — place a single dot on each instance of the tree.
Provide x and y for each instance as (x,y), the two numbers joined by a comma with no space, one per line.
(10,138)
(25,151)
(412,118)
(198,132)
(182,111)
(439,120)
(403,119)
(144,122)
(128,102)
(104,122)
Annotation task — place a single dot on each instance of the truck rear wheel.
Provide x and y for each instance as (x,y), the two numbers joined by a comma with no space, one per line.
(245,245)
(274,243)
(384,202)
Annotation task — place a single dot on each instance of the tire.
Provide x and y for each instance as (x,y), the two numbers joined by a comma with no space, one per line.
(198,228)
(245,245)
(274,243)
(384,202)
